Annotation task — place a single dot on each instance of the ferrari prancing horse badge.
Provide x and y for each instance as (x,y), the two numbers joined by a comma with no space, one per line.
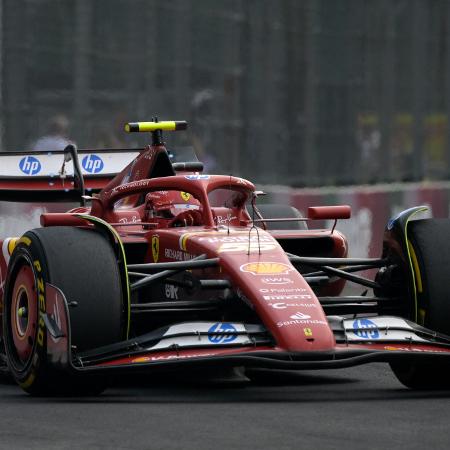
(155,248)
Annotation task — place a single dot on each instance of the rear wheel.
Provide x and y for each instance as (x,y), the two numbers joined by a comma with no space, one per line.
(429,247)
(82,264)
(275,211)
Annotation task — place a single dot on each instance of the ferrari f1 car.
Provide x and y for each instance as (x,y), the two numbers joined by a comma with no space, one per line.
(164,268)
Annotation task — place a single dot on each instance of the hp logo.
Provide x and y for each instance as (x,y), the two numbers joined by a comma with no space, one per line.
(30,165)
(92,163)
(220,333)
(365,329)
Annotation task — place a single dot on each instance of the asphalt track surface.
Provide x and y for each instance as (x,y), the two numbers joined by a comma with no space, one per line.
(358,408)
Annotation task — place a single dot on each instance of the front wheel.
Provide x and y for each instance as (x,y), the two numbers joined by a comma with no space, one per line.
(429,249)
(82,264)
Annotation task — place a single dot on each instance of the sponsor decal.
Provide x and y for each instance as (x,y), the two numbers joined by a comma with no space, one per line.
(308,332)
(143,359)
(185,196)
(155,248)
(281,290)
(300,316)
(133,219)
(219,333)
(159,194)
(277,280)
(41,301)
(222,236)
(133,184)
(30,165)
(92,163)
(223,220)
(178,255)
(245,247)
(171,291)
(219,238)
(266,268)
(196,177)
(287,297)
(282,305)
(414,349)
(185,206)
(301,322)
(365,329)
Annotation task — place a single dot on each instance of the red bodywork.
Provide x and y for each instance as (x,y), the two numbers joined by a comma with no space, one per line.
(251,258)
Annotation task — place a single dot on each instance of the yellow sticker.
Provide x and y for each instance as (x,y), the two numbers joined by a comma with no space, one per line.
(155,248)
(307,331)
(185,196)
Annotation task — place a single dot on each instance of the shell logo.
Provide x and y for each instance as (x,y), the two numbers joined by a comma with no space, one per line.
(266,268)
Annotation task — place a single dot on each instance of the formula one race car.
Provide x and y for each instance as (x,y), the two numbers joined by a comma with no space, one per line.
(162,267)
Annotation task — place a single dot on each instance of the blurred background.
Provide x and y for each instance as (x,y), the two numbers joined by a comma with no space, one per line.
(302,93)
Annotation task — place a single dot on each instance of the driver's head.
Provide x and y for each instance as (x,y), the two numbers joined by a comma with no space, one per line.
(168,204)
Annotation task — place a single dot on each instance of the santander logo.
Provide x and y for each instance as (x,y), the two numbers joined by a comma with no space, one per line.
(300,316)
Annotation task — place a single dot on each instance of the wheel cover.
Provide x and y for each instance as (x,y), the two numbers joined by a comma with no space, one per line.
(24,314)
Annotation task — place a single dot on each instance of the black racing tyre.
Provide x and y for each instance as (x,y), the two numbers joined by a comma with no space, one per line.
(275,211)
(429,246)
(82,264)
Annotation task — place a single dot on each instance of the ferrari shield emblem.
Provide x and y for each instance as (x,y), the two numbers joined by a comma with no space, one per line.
(185,196)
(155,248)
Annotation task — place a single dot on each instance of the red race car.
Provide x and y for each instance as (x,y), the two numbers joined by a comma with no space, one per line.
(162,267)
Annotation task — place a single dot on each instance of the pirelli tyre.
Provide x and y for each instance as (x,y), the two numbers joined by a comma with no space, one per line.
(82,264)
(275,211)
(429,255)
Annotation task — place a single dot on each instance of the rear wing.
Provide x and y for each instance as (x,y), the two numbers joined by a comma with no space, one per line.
(46,176)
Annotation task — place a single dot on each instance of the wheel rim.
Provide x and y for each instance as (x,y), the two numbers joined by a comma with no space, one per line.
(24,314)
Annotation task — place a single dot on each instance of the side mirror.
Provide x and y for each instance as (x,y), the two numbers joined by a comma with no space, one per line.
(329,212)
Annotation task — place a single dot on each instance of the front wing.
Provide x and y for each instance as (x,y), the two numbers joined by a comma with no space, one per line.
(359,341)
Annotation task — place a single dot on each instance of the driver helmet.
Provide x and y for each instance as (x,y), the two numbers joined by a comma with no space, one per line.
(168,204)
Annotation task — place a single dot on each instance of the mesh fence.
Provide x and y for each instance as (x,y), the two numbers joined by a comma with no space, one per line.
(304,93)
